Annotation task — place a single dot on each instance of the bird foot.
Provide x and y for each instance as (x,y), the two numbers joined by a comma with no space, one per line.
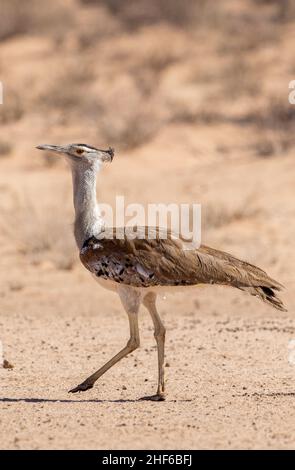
(157,397)
(81,388)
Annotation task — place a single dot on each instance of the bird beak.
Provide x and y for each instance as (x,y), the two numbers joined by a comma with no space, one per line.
(52,148)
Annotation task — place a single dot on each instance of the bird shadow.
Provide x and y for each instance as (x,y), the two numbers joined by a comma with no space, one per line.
(266,394)
(68,400)
(135,400)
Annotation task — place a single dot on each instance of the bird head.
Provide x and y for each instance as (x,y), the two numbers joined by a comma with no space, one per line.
(81,153)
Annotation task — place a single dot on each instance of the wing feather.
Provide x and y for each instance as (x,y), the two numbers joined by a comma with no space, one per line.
(143,262)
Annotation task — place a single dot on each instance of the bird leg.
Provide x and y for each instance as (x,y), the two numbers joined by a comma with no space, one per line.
(131,303)
(149,302)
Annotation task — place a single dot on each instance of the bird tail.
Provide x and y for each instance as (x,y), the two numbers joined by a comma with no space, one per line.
(258,283)
(267,294)
(247,277)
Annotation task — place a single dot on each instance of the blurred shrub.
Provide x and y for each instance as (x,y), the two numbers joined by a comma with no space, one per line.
(5,148)
(284,8)
(136,13)
(43,234)
(12,109)
(276,127)
(19,17)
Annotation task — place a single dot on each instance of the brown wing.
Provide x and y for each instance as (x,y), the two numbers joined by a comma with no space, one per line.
(137,260)
(146,262)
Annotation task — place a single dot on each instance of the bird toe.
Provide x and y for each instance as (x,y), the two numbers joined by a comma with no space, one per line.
(81,388)
(157,397)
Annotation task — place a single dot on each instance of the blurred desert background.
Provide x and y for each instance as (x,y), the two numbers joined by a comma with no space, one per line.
(193,95)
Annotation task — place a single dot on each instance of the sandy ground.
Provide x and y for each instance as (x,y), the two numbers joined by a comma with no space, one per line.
(195,116)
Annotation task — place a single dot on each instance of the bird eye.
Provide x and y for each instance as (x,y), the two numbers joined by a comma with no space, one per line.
(79,151)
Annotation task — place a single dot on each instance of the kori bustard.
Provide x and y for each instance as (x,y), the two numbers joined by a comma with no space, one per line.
(139,268)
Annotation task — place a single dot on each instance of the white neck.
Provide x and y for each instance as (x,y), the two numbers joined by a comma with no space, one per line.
(88,220)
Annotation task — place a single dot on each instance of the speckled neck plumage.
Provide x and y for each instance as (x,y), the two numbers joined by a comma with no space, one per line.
(88,220)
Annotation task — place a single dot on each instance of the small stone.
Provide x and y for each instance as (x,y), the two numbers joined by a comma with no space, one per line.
(7,365)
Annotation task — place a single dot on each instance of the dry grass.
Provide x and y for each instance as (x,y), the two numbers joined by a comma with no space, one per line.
(40,233)
(136,13)
(5,148)
(216,215)
(12,109)
(275,124)
(134,116)
(130,129)
(68,92)
(20,18)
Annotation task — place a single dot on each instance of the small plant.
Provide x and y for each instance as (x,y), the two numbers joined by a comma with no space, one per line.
(42,234)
